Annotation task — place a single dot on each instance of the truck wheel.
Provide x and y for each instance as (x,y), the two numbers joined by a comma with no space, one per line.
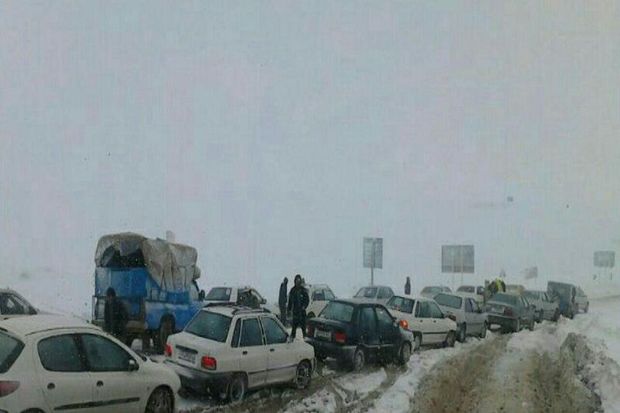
(166,328)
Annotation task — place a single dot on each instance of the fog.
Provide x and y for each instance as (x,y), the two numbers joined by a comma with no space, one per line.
(274,136)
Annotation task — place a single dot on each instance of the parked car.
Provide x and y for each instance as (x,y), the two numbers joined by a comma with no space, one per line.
(242,295)
(469,317)
(475,291)
(14,305)
(375,294)
(320,295)
(228,350)
(154,279)
(581,301)
(544,307)
(423,317)
(511,312)
(355,332)
(52,363)
(566,295)
(432,291)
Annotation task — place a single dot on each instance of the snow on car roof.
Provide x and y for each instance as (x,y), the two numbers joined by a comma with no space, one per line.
(406,297)
(232,310)
(36,323)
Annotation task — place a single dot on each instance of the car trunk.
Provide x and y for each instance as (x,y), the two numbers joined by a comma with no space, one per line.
(329,330)
(188,349)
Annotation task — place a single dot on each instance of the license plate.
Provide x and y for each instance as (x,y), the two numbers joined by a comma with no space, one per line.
(324,334)
(186,356)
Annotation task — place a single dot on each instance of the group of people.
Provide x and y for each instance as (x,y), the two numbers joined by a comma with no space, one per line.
(295,302)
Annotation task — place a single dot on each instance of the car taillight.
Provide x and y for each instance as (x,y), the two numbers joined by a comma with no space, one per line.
(8,387)
(452,317)
(340,337)
(508,311)
(168,350)
(209,363)
(310,331)
(404,324)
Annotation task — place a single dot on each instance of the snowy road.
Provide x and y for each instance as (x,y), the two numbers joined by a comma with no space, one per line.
(571,366)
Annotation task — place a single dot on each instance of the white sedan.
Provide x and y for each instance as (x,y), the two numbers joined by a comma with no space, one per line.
(425,319)
(469,317)
(52,363)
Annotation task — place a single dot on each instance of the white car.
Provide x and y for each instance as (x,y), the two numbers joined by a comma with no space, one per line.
(52,363)
(320,295)
(475,291)
(425,319)
(14,305)
(544,307)
(374,294)
(242,295)
(470,318)
(432,290)
(228,350)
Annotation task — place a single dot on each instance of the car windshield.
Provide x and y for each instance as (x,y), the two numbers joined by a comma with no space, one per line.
(431,290)
(209,325)
(504,299)
(449,300)
(401,304)
(219,294)
(367,292)
(338,311)
(10,348)
(466,289)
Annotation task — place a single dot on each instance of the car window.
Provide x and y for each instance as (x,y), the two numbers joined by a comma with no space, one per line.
(505,298)
(219,294)
(384,293)
(475,306)
(318,295)
(367,292)
(532,295)
(401,304)
(448,300)
(435,311)
(10,349)
(368,321)
(425,310)
(60,353)
(338,311)
(251,334)
(209,325)
(236,333)
(329,295)
(11,305)
(384,318)
(274,334)
(104,355)
(468,306)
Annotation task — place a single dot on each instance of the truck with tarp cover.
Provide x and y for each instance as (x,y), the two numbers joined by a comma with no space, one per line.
(154,279)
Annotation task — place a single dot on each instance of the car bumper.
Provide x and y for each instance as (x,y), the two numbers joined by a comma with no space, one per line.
(333,350)
(199,380)
(504,323)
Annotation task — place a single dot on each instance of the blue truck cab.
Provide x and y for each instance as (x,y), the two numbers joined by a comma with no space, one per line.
(153,278)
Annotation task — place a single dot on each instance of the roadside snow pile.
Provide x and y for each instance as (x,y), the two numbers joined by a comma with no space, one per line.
(322,401)
(359,385)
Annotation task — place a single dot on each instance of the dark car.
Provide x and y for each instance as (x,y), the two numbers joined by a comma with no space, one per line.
(511,312)
(565,294)
(355,332)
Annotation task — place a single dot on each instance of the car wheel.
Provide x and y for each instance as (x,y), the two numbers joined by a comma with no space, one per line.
(165,330)
(404,354)
(483,332)
(417,342)
(161,401)
(237,388)
(450,339)
(462,333)
(303,375)
(359,360)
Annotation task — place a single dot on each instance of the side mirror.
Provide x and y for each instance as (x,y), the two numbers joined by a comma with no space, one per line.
(133,365)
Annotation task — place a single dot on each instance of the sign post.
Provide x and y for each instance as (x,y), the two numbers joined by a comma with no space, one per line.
(373,255)
(457,259)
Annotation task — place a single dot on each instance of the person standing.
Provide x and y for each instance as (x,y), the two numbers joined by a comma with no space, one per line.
(115,315)
(408,287)
(298,301)
(282,299)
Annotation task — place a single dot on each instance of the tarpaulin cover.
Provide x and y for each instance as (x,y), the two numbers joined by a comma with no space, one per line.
(172,266)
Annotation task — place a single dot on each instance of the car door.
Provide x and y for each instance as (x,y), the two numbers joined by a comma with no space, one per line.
(63,377)
(252,352)
(425,323)
(476,316)
(281,359)
(388,333)
(368,333)
(118,385)
(439,324)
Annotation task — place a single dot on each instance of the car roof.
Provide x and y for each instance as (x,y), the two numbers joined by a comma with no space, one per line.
(233,310)
(37,323)
(354,301)
(411,298)
(318,286)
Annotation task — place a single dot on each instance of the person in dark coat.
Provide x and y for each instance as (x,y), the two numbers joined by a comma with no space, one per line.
(298,301)
(115,315)
(282,300)
(408,287)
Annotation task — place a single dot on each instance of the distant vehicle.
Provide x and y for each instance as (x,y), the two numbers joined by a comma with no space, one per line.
(469,317)
(376,294)
(432,291)
(229,350)
(320,295)
(355,332)
(477,291)
(511,312)
(52,363)
(243,295)
(425,319)
(14,305)
(515,289)
(154,279)
(581,301)
(565,294)
(544,307)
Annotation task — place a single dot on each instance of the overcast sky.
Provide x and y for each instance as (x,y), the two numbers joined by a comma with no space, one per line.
(273,136)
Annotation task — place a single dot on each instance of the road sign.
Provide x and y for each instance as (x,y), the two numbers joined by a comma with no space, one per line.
(373,252)
(457,259)
(605,259)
